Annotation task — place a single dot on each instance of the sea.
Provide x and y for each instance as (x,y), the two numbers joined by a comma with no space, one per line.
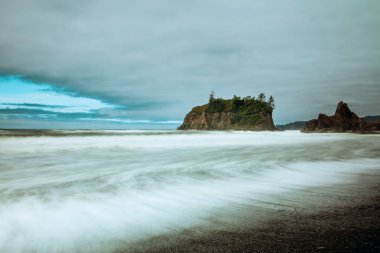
(101,190)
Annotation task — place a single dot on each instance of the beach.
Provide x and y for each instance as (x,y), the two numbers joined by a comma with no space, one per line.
(188,191)
(353,227)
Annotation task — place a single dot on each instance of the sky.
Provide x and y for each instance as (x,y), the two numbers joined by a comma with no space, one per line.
(145,64)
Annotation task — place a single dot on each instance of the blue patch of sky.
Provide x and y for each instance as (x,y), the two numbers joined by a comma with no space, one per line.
(21,99)
(19,93)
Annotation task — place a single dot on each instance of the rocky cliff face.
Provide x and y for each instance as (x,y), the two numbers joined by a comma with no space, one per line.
(344,120)
(225,121)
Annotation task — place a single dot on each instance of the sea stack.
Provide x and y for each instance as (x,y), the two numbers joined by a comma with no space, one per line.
(344,120)
(237,113)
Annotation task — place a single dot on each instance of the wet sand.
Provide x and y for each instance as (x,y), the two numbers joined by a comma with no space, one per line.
(352,225)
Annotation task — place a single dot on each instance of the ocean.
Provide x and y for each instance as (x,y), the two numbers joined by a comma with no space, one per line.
(100,190)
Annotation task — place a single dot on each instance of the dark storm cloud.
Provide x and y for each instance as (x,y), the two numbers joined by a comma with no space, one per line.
(33,105)
(27,113)
(24,111)
(162,57)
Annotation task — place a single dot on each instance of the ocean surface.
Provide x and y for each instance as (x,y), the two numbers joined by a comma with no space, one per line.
(95,191)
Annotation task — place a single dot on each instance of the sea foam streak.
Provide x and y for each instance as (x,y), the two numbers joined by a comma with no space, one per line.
(86,192)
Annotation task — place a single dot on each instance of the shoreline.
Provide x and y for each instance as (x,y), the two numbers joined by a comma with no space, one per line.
(351,227)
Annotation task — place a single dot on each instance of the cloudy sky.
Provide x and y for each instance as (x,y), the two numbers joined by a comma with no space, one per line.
(124,63)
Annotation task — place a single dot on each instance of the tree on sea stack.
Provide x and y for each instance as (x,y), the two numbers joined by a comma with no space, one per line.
(271,102)
(261,97)
(212,94)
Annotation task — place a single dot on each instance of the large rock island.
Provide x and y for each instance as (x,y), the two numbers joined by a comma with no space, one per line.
(344,120)
(246,113)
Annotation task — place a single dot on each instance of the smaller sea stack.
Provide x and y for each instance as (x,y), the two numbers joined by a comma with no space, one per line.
(344,120)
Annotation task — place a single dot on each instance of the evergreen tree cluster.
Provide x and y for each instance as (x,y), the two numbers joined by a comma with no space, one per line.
(247,110)
(238,103)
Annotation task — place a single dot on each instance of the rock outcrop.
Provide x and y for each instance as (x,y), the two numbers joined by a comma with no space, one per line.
(232,114)
(224,121)
(344,120)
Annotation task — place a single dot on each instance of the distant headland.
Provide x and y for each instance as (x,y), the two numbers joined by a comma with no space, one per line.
(247,113)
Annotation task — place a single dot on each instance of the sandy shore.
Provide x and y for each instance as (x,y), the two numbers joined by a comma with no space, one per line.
(353,226)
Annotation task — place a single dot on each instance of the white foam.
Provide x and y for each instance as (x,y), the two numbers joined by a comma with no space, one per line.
(86,194)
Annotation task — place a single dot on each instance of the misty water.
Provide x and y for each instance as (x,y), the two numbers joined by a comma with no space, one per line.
(88,191)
